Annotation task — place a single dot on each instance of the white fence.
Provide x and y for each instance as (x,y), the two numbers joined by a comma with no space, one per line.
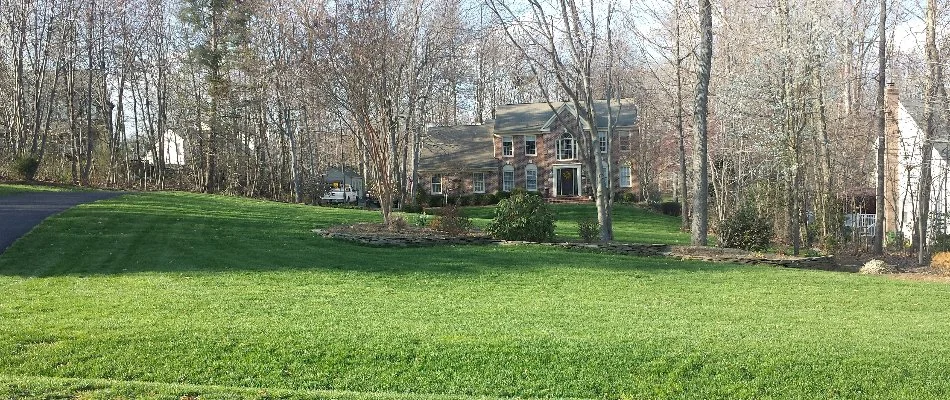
(862,224)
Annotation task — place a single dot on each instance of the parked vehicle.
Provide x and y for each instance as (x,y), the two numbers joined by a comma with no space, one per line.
(344,194)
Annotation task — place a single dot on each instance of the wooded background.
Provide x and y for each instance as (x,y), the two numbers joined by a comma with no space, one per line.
(266,95)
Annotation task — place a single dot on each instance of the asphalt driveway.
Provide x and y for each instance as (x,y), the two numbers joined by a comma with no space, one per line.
(19,213)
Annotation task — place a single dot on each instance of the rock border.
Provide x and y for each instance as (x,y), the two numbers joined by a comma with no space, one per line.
(707,254)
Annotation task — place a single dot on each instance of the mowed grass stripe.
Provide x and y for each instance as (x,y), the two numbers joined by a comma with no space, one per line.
(90,389)
(211,290)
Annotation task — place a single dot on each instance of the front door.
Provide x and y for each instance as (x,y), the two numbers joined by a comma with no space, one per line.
(567,182)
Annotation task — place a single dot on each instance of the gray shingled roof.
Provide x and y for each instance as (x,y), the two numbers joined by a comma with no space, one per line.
(625,114)
(523,117)
(532,117)
(463,148)
(915,107)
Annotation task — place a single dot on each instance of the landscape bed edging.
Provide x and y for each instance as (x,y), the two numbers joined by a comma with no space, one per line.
(708,254)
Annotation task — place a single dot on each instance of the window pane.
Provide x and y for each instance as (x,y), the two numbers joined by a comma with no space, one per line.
(507,146)
(602,138)
(531,178)
(508,179)
(479,182)
(436,184)
(625,176)
(530,145)
(565,150)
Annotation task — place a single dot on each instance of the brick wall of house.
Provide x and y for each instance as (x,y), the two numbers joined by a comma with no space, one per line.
(460,182)
(547,156)
(544,160)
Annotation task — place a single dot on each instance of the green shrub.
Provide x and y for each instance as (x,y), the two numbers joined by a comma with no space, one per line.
(745,229)
(475,199)
(488,199)
(422,197)
(627,197)
(421,220)
(452,221)
(671,208)
(26,167)
(940,237)
(523,216)
(940,243)
(589,229)
(412,208)
(436,201)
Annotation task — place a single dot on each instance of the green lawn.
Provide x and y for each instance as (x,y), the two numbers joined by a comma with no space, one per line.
(169,294)
(631,224)
(16,188)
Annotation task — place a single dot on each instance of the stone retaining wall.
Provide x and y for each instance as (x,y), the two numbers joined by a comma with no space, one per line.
(708,254)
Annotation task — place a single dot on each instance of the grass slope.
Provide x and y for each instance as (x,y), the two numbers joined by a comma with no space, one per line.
(17,188)
(631,224)
(165,295)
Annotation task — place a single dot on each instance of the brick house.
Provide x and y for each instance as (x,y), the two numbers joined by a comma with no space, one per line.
(526,146)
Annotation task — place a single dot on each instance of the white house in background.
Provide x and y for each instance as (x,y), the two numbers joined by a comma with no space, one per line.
(174,148)
(905,132)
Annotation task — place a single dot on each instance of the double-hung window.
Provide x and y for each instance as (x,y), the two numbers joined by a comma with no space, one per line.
(565,147)
(508,178)
(436,184)
(478,182)
(507,146)
(530,145)
(602,141)
(531,178)
(625,176)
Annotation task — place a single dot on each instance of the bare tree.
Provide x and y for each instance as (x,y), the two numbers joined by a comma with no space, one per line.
(700,215)
(931,112)
(881,141)
(571,63)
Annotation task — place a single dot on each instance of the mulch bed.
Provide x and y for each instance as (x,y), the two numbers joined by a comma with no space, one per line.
(376,234)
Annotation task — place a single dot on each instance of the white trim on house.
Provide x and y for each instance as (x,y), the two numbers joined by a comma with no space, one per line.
(556,174)
(534,138)
(547,125)
(508,151)
(559,151)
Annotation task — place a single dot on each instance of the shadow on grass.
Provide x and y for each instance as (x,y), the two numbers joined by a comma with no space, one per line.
(180,232)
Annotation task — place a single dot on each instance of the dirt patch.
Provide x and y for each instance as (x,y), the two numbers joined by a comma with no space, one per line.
(906,265)
(923,274)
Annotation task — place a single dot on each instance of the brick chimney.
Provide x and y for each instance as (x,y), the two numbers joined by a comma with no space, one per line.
(892,137)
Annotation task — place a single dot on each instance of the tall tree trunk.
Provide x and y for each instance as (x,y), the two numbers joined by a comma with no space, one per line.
(90,133)
(700,223)
(878,247)
(934,81)
(684,214)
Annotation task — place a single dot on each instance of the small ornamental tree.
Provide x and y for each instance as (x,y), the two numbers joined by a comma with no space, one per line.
(523,216)
(26,167)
